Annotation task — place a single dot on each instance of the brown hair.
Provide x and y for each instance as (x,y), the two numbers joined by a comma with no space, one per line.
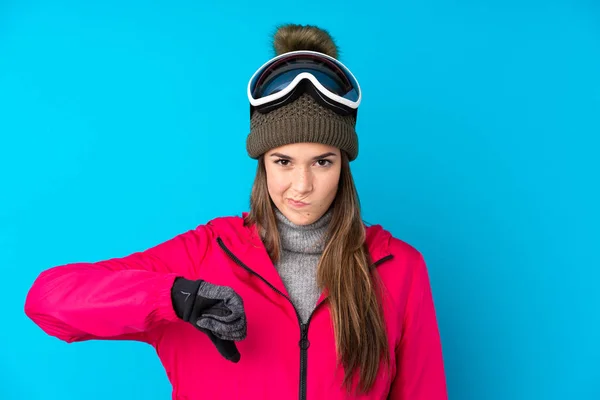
(343,270)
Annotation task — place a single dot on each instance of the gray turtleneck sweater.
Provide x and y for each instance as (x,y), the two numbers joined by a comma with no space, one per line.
(302,246)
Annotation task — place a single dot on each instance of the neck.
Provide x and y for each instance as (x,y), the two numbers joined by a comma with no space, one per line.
(309,239)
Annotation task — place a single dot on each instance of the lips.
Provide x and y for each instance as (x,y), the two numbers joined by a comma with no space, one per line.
(297,203)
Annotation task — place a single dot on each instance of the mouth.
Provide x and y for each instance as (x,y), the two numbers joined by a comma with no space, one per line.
(297,204)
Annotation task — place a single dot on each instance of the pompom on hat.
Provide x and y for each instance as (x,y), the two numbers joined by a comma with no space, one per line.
(304,119)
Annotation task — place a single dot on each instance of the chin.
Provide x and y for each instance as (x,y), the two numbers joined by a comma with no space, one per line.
(299,218)
(303,221)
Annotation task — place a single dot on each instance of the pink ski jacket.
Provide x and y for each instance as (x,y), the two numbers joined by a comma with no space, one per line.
(129,298)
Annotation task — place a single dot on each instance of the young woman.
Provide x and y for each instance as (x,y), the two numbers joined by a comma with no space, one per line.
(296,299)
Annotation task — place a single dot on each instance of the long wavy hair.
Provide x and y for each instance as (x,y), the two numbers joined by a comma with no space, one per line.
(343,271)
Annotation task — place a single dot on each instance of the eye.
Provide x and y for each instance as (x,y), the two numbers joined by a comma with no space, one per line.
(282,162)
(324,163)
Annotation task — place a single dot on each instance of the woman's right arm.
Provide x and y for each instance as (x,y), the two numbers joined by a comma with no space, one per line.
(120,298)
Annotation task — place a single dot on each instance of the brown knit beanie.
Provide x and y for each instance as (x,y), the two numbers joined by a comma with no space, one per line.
(303,120)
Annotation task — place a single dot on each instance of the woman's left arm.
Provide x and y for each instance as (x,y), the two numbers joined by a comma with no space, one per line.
(420,367)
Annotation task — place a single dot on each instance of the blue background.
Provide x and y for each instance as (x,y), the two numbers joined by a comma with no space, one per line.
(124,124)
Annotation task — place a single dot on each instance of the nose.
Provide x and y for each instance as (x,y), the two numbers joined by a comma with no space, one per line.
(302,181)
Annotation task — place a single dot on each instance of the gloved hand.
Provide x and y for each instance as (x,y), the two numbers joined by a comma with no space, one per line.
(218,311)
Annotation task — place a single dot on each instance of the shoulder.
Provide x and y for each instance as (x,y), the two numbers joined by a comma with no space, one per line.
(227,221)
(405,250)
(381,243)
(230,228)
(403,261)
(403,270)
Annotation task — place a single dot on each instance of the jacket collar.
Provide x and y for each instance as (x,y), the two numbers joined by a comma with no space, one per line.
(245,244)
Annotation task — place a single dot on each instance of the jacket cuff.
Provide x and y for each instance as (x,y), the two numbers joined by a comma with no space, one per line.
(164,304)
(183,296)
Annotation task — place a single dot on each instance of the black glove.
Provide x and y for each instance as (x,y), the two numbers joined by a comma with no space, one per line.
(218,311)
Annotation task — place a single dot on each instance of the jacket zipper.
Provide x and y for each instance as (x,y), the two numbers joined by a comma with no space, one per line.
(304,343)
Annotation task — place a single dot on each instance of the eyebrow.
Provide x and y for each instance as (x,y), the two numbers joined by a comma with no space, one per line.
(280,155)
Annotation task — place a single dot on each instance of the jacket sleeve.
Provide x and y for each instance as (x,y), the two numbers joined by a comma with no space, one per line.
(420,367)
(116,299)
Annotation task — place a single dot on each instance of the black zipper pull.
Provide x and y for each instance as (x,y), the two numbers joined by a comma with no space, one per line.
(304,343)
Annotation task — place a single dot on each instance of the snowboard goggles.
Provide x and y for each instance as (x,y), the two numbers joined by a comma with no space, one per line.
(284,78)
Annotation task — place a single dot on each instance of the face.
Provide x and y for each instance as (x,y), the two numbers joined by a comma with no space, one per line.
(302,179)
